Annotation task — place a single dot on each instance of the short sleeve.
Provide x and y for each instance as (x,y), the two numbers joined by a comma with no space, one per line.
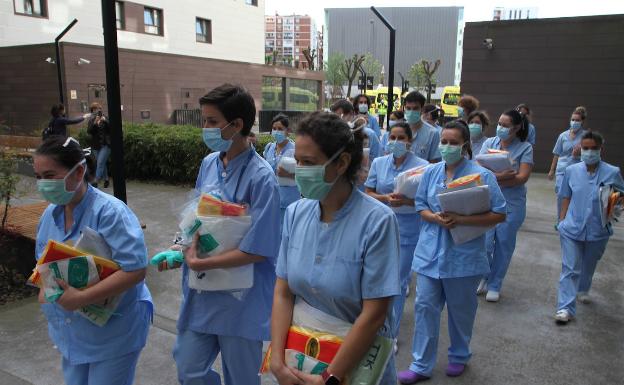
(531,136)
(616,180)
(486,146)
(201,176)
(122,231)
(558,150)
(527,155)
(263,236)
(267,150)
(384,141)
(420,201)
(380,272)
(434,150)
(371,181)
(374,124)
(42,231)
(565,191)
(373,142)
(498,204)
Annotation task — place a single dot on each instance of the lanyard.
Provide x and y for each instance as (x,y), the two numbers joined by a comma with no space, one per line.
(240,176)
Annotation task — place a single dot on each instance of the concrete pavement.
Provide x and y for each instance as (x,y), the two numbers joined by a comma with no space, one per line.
(515,341)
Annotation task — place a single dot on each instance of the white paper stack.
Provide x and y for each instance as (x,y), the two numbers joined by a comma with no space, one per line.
(287,163)
(496,162)
(469,201)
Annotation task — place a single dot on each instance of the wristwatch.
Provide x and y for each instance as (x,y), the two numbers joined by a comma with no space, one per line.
(330,379)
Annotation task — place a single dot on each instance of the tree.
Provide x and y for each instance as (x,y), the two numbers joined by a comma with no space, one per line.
(310,56)
(350,70)
(8,182)
(372,67)
(422,75)
(333,73)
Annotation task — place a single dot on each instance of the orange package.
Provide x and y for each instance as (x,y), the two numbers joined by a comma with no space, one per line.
(495,151)
(613,200)
(210,205)
(56,251)
(471,180)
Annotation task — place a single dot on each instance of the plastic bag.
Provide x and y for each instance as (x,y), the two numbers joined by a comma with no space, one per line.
(311,345)
(93,243)
(288,163)
(496,160)
(406,183)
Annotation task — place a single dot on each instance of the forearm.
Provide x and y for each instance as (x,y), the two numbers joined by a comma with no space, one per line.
(380,197)
(553,164)
(115,284)
(486,219)
(428,216)
(232,258)
(360,338)
(565,204)
(281,319)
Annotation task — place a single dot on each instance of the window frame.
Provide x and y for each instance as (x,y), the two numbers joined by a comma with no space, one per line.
(207,24)
(161,26)
(44,9)
(121,16)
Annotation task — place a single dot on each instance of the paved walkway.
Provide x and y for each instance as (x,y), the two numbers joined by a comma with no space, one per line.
(514,342)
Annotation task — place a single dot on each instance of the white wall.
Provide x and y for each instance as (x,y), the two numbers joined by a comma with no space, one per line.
(237,28)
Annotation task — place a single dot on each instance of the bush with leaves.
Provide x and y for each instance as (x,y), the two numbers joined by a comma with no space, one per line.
(8,182)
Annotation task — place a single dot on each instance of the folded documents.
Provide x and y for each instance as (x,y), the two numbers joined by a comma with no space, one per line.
(496,160)
(468,201)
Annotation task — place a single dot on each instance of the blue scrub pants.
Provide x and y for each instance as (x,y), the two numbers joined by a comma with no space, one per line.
(578,264)
(118,371)
(407,255)
(460,296)
(194,354)
(504,235)
(558,182)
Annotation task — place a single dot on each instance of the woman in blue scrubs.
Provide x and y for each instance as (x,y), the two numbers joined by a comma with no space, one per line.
(567,150)
(448,273)
(92,354)
(274,152)
(583,238)
(478,122)
(361,105)
(339,251)
(395,117)
(217,322)
(511,134)
(380,185)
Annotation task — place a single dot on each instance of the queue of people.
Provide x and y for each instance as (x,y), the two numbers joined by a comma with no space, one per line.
(328,230)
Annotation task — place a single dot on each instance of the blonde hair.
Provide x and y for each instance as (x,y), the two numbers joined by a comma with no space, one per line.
(580,110)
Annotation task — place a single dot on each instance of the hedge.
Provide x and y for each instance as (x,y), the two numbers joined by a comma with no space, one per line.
(167,153)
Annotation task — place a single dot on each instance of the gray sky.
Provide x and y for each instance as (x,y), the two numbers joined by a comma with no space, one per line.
(480,10)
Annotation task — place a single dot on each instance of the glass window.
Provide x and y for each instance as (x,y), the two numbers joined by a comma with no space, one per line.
(203,30)
(451,99)
(272,93)
(152,18)
(30,7)
(119,14)
(303,95)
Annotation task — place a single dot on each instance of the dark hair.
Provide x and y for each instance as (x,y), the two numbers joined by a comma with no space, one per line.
(357,98)
(485,120)
(415,97)
(95,106)
(342,104)
(468,103)
(398,113)
(433,110)
(523,106)
(65,152)
(405,127)
(462,127)
(56,110)
(331,134)
(280,118)
(521,120)
(234,102)
(595,136)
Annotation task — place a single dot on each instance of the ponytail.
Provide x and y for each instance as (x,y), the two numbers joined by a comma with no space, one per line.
(521,120)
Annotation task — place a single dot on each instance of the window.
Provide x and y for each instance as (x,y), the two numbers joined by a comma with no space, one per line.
(119,12)
(36,8)
(252,2)
(203,30)
(152,18)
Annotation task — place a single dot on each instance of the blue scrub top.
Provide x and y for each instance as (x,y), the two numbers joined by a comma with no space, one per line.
(381,178)
(218,312)
(425,143)
(436,255)
(582,221)
(373,144)
(477,145)
(79,340)
(521,152)
(335,266)
(288,194)
(531,135)
(563,149)
(373,124)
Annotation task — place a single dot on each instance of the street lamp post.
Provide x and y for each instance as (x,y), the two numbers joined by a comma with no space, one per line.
(390,58)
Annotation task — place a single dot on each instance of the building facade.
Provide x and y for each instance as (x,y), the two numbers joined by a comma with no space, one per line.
(286,37)
(428,33)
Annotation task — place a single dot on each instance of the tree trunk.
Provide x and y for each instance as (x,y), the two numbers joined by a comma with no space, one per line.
(6,210)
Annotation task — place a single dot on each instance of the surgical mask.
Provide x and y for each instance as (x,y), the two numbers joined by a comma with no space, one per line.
(590,157)
(55,190)
(460,112)
(391,123)
(363,108)
(451,154)
(412,117)
(476,130)
(279,136)
(311,179)
(214,141)
(575,126)
(502,132)
(396,148)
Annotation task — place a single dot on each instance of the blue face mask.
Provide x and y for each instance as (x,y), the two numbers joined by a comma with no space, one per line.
(451,154)
(575,126)
(391,123)
(590,157)
(55,190)
(460,112)
(412,117)
(279,136)
(214,141)
(396,148)
(476,130)
(502,132)
(311,179)
(363,108)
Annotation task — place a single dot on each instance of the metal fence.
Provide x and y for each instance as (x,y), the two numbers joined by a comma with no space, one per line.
(188,117)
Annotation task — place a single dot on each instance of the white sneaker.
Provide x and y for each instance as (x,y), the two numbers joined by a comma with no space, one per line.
(482,288)
(583,298)
(396,346)
(407,292)
(492,296)
(563,316)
